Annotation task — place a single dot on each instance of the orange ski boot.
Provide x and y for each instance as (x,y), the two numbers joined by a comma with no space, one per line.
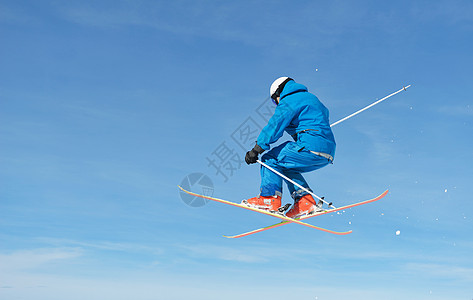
(306,205)
(271,203)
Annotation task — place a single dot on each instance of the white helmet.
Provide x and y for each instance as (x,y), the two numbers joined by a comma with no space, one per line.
(277,87)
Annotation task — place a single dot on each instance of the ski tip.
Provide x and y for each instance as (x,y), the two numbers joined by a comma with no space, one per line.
(229,236)
(183,190)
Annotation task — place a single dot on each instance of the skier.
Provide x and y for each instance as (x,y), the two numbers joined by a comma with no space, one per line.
(306,119)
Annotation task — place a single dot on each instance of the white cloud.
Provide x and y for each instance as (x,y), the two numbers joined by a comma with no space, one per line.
(102,245)
(442,271)
(214,278)
(245,255)
(30,259)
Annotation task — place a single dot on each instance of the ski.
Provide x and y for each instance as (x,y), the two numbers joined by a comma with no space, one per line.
(308,216)
(282,217)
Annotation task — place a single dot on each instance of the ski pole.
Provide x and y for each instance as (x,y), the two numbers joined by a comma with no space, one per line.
(295,183)
(371,105)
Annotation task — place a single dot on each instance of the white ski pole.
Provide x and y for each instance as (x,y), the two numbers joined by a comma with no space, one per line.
(371,105)
(331,125)
(295,183)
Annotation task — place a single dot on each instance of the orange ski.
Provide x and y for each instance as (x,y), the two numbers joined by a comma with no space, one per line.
(309,216)
(282,217)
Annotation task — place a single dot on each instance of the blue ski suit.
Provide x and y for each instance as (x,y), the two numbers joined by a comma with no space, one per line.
(306,119)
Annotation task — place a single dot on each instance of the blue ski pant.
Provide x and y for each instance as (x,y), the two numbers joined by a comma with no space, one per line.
(289,160)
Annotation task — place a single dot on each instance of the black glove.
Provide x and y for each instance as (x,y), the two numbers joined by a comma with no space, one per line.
(252,156)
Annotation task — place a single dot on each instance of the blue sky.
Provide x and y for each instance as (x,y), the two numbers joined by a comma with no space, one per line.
(106,106)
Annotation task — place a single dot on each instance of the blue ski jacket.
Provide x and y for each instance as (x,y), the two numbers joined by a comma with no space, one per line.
(304,117)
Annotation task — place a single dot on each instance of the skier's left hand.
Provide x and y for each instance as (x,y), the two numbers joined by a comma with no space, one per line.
(252,156)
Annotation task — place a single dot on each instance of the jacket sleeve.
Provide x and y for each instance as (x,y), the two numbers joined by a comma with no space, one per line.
(282,117)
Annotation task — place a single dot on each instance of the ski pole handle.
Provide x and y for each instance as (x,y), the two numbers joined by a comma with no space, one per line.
(293,182)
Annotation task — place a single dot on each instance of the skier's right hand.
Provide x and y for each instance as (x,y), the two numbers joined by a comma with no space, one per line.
(252,156)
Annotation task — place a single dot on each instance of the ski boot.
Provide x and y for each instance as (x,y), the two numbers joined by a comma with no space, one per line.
(270,203)
(304,206)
